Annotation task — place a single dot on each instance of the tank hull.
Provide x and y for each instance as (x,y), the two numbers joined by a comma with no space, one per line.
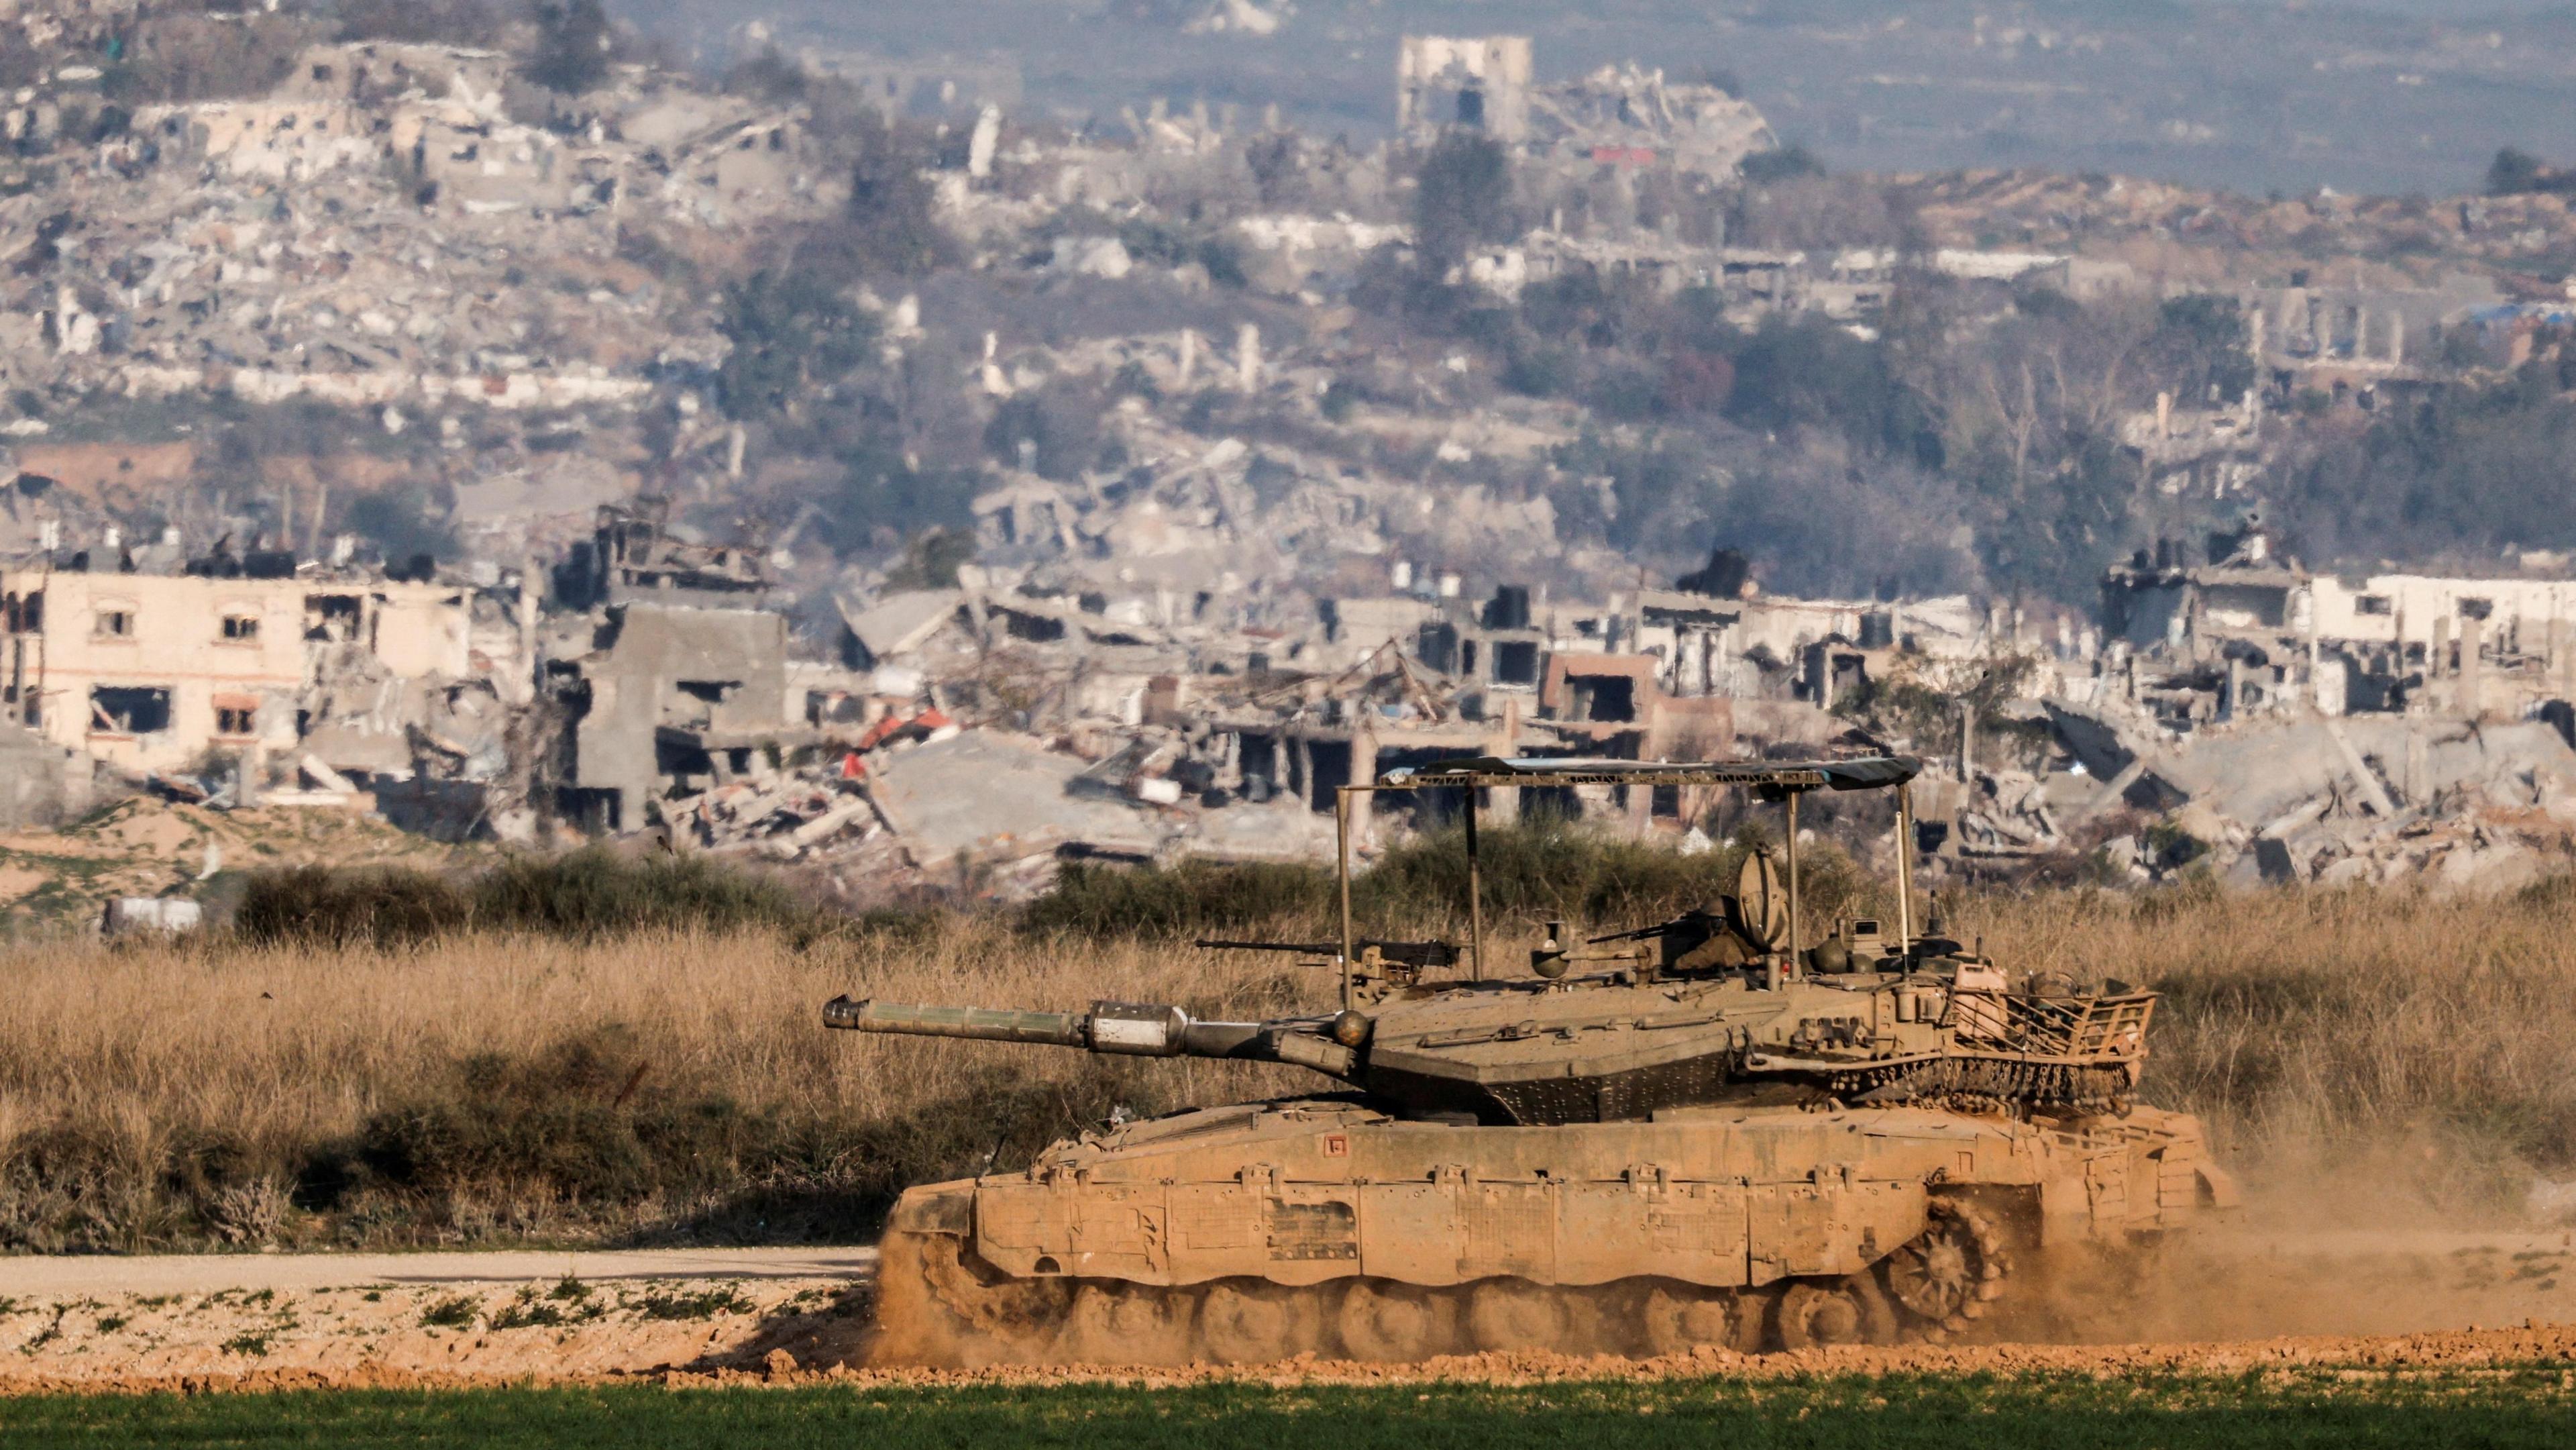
(1266,1230)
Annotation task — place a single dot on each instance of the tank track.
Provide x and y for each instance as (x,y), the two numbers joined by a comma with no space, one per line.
(939,1305)
(1975,1082)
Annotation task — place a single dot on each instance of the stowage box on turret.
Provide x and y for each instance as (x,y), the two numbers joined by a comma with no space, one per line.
(1706,1131)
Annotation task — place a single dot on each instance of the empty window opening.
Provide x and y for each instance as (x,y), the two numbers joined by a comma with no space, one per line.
(240,628)
(115,622)
(714,692)
(1471,108)
(1611,698)
(331,618)
(1515,662)
(2477,608)
(129,709)
(2372,604)
(236,719)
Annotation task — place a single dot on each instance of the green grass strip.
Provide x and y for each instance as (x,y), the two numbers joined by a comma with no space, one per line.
(2533,1406)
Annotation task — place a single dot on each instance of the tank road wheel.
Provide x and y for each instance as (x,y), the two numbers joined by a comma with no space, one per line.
(1384,1321)
(937,1303)
(1515,1314)
(1120,1323)
(1676,1318)
(1849,1310)
(1947,1277)
(1249,1322)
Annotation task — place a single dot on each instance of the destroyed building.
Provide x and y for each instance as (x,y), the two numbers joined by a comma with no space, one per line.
(1481,83)
(1720,636)
(1281,551)
(377,231)
(1617,117)
(150,671)
(664,697)
(2354,342)
(632,556)
(2252,631)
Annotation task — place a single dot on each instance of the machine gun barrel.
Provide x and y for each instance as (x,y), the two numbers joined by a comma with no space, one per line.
(1125,1029)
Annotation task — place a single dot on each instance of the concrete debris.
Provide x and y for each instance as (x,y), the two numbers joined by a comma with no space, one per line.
(1212,550)
(991,796)
(1618,116)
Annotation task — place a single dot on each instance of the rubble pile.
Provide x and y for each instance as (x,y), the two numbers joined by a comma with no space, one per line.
(2477,805)
(1154,537)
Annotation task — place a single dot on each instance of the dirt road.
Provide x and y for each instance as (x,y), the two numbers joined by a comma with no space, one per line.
(263,1320)
(33,1277)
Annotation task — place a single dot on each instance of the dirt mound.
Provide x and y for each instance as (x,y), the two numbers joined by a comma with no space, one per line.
(146,846)
(373,1334)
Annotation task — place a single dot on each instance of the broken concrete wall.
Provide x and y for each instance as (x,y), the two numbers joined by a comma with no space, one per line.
(656,666)
(1479,82)
(41,784)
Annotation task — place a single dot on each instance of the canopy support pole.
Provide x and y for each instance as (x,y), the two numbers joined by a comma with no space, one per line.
(1342,854)
(1793,881)
(1905,870)
(1475,892)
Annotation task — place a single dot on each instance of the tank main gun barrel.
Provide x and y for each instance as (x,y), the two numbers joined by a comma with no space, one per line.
(1053,1029)
(1417,954)
(1125,1029)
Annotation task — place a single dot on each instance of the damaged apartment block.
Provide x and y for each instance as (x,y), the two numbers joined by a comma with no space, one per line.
(676,704)
(148,672)
(2250,632)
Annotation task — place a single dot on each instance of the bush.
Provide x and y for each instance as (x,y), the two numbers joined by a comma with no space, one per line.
(581,1128)
(1190,898)
(1462,199)
(1554,869)
(336,907)
(1788,163)
(589,893)
(1547,868)
(596,892)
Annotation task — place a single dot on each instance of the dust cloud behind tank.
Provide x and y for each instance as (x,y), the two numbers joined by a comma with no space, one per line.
(1703,1131)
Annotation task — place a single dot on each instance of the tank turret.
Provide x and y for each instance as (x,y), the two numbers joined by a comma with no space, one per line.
(1630,1042)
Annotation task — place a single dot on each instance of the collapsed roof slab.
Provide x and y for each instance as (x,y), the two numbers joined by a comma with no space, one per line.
(988,795)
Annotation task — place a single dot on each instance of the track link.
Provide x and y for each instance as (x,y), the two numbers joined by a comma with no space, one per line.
(939,1306)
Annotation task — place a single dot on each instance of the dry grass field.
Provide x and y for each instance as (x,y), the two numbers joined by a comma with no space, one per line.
(2394,1049)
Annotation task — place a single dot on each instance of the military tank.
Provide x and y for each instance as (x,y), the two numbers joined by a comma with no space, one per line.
(1705,1131)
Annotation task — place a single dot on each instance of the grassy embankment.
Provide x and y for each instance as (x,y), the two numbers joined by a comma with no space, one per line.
(583,1051)
(2506,1407)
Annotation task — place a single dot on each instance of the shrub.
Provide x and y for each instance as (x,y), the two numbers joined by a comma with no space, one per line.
(580,1128)
(582,894)
(1190,898)
(597,892)
(453,1312)
(328,906)
(1548,868)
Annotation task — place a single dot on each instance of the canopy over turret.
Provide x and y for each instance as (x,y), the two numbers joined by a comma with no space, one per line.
(1877,772)
(1781,781)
